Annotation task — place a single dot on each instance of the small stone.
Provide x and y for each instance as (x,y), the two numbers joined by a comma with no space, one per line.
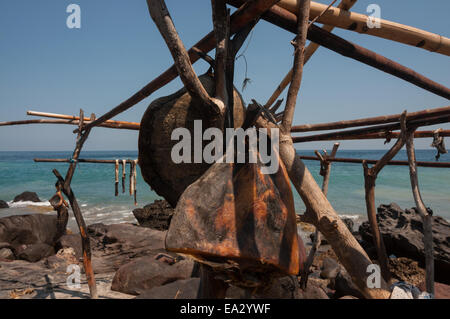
(7,254)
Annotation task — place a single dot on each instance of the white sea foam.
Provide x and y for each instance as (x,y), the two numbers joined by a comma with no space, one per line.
(28,203)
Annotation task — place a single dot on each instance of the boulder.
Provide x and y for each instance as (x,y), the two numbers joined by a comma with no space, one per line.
(349,223)
(3,204)
(115,245)
(23,231)
(27,197)
(36,252)
(180,289)
(402,233)
(150,271)
(156,215)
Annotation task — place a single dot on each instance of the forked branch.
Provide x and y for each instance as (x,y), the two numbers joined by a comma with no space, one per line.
(161,16)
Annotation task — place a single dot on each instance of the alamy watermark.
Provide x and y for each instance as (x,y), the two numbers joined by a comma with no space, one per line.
(73,281)
(258,141)
(374,16)
(74,19)
(374,279)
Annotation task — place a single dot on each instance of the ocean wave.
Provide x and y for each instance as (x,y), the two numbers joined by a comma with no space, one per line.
(28,203)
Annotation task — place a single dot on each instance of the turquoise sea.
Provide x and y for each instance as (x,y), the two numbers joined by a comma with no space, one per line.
(93,184)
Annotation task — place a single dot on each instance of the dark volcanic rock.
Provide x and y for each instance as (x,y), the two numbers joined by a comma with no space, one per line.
(402,234)
(180,289)
(349,223)
(36,252)
(27,197)
(116,245)
(3,204)
(22,231)
(156,215)
(148,272)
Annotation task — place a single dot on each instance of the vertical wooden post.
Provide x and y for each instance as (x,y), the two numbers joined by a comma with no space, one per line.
(370,176)
(64,185)
(425,213)
(325,172)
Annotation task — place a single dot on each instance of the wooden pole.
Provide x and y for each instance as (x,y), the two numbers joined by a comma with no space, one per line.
(387,29)
(378,135)
(324,217)
(370,176)
(116,178)
(64,185)
(76,118)
(80,160)
(424,212)
(384,119)
(123,126)
(310,50)
(371,129)
(288,21)
(368,161)
(299,57)
(243,16)
(124,173)
(325,172)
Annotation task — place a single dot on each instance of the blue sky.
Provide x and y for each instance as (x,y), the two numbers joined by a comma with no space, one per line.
(45,66)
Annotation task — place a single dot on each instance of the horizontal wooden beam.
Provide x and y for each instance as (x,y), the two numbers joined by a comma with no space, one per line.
(368,161)
(342,135)
(86,119)
(369,120)
(80,160)
(121,126)
(371,136)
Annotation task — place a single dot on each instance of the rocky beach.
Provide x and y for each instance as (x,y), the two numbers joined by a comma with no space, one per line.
(130,259)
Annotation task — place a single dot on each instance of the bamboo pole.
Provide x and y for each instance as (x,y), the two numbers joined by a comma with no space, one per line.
(371,129)
(288,21)
(123,126)
(388,30)
(370,120)
(310,50)
(369,161)
(76,118)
